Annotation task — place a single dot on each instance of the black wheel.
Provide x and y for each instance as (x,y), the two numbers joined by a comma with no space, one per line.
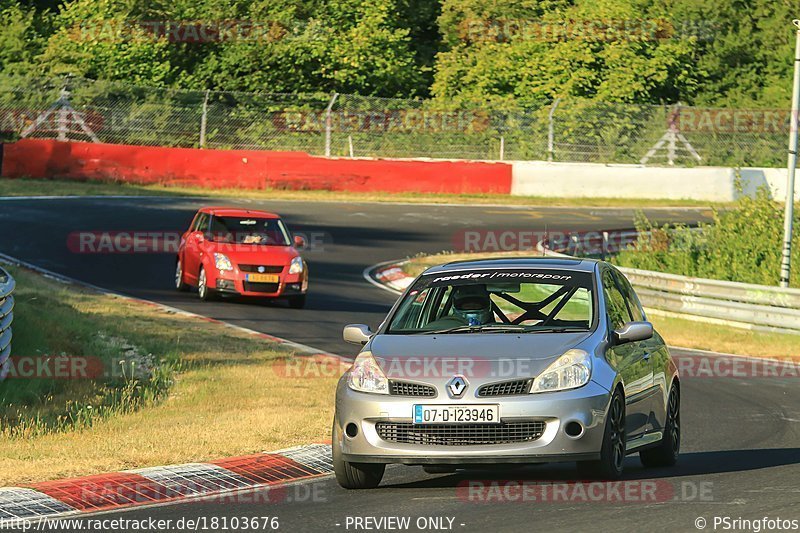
(179,283)
(354,475)
(612,453)
(666,453)
(297,302)
(203,291)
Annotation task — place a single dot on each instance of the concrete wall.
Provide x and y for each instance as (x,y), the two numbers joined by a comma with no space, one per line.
(540,178)
(772,178)
(254,169)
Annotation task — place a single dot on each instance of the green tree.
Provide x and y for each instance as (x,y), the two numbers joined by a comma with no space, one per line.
(102,39)
(532,52)
(263,45)
(20,37)
(345,46)
(745,50)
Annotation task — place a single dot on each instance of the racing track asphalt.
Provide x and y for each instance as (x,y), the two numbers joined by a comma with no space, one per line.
(740,442)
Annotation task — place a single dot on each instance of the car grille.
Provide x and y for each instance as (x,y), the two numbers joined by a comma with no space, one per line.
(460,435)
(404,388)
(276,269)
(250,286)
(505,388)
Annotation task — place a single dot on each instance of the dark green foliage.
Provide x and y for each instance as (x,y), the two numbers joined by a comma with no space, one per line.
(724,53)
(742,244)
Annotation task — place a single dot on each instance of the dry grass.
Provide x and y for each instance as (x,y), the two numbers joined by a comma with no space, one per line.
(228,398)
(702,336)
(30,187)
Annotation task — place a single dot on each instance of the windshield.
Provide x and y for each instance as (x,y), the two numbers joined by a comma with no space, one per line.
(239,230)
(486,301)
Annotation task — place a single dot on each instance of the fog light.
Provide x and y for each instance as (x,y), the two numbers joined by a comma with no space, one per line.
(573,429)
(225,284)
(351,430)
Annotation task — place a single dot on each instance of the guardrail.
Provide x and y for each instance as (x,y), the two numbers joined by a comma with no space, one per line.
(743,305)
(759,307)
(7,286)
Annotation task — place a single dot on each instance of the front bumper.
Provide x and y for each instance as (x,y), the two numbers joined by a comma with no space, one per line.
(235,283)
(586,405)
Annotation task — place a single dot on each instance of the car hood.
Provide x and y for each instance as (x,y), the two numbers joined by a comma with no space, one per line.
(489,355)
(245,254)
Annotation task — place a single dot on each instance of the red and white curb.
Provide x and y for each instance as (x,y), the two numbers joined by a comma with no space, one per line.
(389,276)
(163,484)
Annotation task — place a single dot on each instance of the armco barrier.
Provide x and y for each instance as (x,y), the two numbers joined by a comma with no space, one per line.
(745,305)
(7,285)
(246,169)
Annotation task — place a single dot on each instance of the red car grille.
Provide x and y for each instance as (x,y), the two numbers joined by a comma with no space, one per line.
(268,269)
(250,286)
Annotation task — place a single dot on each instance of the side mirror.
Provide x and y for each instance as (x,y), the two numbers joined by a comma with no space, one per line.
(299,242)
(632,332)
(357,334)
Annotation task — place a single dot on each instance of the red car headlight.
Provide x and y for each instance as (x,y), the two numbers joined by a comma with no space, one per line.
(296,266)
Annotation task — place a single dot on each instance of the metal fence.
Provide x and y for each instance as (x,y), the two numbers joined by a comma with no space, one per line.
(361,126)
(7,285)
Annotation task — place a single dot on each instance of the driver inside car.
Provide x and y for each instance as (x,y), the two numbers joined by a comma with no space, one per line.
(471,306)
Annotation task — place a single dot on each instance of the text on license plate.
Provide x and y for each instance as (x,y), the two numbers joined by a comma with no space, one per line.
(263,278)
(456,414)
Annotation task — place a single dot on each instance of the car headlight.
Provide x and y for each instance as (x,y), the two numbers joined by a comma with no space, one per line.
(367,376)
(296,266)
(222,262)
(570,371)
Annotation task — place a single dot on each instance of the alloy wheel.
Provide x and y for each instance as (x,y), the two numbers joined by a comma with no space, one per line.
(674,419)
(617,426)
(202,288)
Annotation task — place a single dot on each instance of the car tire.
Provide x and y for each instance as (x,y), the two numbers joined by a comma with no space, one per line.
(666,452)
(203,291)
(612,453)
(354,475)
(297,302)
(180,284)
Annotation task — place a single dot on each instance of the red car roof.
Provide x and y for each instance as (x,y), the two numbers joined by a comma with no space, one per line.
(238,212)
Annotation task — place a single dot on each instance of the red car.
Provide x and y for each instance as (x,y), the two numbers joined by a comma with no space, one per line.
(241,252)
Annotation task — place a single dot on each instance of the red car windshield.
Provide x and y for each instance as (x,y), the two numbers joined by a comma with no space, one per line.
(249,230)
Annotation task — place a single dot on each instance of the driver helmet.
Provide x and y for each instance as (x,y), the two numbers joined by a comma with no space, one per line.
(472,304)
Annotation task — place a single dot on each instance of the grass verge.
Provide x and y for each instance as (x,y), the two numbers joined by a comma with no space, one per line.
(31,187)
(202,391)
(682,332)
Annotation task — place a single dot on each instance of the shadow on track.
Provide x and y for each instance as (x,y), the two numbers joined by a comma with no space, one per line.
(689,464)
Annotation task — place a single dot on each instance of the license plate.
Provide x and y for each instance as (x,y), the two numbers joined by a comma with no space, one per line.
(263,278)
(456,414)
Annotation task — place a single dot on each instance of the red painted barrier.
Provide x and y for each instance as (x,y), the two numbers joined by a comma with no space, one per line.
(41,158)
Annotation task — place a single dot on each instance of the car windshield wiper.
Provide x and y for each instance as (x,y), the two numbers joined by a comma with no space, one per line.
(563,329)
(506,328)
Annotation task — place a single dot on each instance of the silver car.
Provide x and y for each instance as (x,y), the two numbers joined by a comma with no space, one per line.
(525,360)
